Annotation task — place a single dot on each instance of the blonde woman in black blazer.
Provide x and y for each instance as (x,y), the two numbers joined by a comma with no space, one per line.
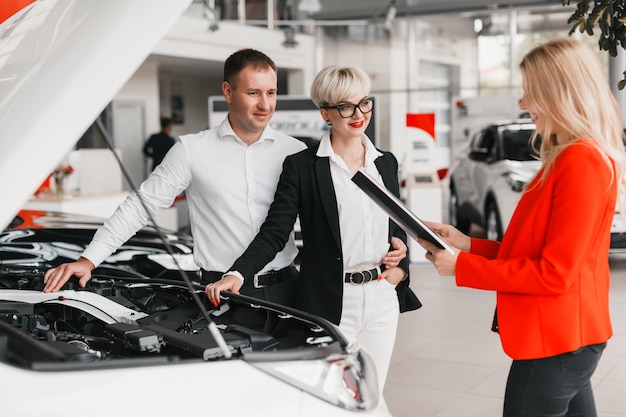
(354,270)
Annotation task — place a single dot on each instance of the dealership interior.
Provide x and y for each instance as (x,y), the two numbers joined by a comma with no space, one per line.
(425,58)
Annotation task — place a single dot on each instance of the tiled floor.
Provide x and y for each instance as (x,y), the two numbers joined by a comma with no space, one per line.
(447,362)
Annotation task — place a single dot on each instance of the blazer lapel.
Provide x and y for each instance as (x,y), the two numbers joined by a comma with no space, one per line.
(383,168)
(326,192)
(386,173)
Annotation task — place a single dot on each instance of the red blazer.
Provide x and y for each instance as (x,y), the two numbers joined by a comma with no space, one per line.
(551,271)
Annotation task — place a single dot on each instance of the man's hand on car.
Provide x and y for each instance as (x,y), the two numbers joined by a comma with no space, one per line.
(55,278)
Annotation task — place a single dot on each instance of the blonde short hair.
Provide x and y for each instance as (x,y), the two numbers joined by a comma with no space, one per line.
(334,84)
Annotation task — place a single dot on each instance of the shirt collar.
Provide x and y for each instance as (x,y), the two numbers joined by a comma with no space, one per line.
(226,130)
(326,150)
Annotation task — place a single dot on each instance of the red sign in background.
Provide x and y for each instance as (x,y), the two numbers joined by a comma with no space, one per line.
(424,121)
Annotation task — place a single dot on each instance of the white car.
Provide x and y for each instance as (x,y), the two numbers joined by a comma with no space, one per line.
(487,179)
(131,344)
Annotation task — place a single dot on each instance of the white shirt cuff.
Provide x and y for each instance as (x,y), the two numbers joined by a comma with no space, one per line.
(235,273)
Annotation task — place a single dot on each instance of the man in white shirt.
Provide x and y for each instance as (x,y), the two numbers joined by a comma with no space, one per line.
(229,174)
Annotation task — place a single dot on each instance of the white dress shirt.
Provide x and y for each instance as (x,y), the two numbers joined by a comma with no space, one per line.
(364,227)
(229,187)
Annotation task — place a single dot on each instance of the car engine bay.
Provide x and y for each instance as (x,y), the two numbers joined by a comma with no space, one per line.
(122,318)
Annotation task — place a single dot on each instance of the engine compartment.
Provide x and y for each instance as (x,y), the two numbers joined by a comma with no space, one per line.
(126,318)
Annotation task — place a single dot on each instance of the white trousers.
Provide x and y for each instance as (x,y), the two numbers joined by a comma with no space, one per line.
(369,319)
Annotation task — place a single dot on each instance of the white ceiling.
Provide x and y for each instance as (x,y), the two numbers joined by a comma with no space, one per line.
(376,10)
(365,9)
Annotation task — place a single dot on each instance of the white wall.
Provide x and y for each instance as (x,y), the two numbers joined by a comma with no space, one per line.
(189,38)
(195,90)
(393,64)
(141,89)
(143,86)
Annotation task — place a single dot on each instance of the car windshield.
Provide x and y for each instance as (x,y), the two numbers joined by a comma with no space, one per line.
(516,145)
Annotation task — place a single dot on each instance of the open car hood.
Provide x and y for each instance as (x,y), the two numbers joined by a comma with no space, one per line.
(130,335)
(61,63)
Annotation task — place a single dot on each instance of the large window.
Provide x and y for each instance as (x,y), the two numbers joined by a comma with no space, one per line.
(499,57)
(434,94)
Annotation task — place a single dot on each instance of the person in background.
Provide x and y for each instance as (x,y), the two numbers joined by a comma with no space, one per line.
(551,272)
(229,174)
(350,273)
(160,143)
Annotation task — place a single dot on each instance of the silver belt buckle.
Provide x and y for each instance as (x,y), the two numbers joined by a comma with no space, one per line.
(256,282)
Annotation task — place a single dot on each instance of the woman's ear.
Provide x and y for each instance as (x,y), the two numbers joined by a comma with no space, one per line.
(324,114)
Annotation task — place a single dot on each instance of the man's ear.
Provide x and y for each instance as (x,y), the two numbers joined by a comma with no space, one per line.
(227,91)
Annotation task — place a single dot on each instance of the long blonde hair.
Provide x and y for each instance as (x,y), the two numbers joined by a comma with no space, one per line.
(567,86)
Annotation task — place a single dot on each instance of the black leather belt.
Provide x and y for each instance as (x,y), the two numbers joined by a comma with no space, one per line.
(361,277)
(260,281)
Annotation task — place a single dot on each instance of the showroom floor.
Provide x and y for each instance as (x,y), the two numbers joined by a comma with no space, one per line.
(447,362)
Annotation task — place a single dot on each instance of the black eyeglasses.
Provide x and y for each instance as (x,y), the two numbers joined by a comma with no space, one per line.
(347,110)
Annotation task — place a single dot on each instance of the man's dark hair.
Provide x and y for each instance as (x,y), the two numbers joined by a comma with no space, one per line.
(165,122)
(243,58)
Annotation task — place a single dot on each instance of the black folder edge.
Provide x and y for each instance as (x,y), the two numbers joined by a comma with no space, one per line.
(398,212)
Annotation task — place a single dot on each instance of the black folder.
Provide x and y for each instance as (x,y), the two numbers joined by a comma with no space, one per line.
(396,209)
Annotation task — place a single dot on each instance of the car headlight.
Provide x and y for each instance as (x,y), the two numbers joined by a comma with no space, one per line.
(347,380)
(515,181)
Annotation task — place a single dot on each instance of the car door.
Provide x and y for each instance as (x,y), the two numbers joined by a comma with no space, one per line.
(465,166)
(485,151)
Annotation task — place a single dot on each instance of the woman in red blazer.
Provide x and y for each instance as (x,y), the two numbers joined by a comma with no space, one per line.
(551,272)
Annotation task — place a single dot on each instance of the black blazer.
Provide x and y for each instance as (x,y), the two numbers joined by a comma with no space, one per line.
(306,189)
